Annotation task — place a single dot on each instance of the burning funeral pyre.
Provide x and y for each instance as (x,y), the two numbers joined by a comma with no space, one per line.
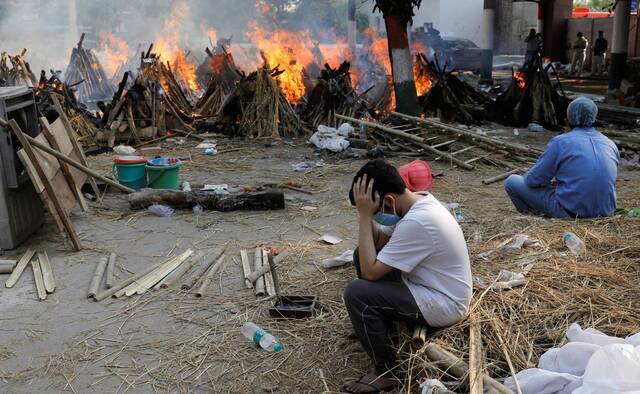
(85,71)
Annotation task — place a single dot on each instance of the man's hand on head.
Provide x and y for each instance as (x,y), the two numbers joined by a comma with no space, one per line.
(366,201)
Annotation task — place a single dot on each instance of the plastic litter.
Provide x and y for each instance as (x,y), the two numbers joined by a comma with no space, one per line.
(124,150)
(455,210)
(198,210)
(330,139)
(260,337)
(516,132)
(574,243)
(161,210)
(186,186)
(432,386)
(536,128)
(206,145)
(307,165)
(338,261)
(210,152)
(346,129)
(330,239)
(517,244)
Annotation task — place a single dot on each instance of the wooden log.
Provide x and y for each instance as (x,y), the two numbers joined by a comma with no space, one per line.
(111,266)
(500,177)
(419,141)
(48,186)
(37,276)
(448,362)
(265,200)
(17,271)
(209,276)
(259,285)
(475,357)
(76,145)
(207,262)
(96,279)
(246,268)
(47,272)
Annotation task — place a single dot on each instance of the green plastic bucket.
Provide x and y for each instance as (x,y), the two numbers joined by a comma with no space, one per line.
(163,173)
(130,171)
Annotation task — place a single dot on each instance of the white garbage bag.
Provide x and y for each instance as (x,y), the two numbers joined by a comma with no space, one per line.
(575,333)
(329,138)
(571,358)
(612,369)
(540,381)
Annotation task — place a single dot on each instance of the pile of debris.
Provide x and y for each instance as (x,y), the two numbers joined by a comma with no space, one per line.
(532,97)
(449,98)
(84,70)
(15,71)
(333,94)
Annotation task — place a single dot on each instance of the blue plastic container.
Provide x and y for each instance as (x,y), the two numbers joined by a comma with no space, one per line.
(130,171)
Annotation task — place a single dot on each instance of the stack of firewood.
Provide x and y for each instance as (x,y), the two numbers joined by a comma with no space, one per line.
(257,108)
(333,94)
(223,76)
(450,98)
(84,70)
(532,97)
(15,71)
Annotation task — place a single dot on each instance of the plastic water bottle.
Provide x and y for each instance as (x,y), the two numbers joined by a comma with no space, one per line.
(161,210)
(575,244)
(198,210)
(261,337)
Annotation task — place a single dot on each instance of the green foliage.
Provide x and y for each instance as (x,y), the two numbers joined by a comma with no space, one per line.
(598,5)
(401,8)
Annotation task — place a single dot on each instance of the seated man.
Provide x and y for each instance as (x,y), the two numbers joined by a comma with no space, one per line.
(422,274)
(576,175)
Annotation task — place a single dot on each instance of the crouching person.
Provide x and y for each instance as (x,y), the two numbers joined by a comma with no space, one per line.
(576,175)
(421,274)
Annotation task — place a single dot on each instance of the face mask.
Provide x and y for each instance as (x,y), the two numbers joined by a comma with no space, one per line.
(387,221)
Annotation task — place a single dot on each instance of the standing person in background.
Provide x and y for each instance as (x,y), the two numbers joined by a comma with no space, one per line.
(534,45)
(599,54)
(579,54)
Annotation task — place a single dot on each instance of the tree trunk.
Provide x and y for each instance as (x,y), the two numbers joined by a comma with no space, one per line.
(269,199)
(401,66)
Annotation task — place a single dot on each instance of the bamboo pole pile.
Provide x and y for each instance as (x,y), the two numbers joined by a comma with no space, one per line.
(85,70)
(15,71)
(45,283)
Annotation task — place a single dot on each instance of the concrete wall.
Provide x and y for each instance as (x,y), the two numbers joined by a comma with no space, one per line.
(513,22)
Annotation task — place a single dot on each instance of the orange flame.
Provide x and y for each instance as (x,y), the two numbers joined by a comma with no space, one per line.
(520,80)
(379,48)
(211,33)
(291,52)
(114,52)
(423,82)
(166,45)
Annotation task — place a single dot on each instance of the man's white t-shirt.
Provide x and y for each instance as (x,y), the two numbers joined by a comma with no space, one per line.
(429,248)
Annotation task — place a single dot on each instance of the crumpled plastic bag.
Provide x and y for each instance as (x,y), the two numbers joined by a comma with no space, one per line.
(612,369)
(124,150)
(338,261)
(431,386)
(330,139)
(571,358)
(540,381)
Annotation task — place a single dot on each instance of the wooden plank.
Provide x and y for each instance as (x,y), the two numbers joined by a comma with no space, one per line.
(17,271)
(68,225)
(64,167)
(76,145)
(468,148)
(47,272)
(37,276)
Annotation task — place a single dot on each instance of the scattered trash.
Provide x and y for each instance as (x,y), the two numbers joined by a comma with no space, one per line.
(217,189)
(574,243)
(124,150)
(330,139)
(432,386)
(161,210)
(330,239)
(508,280)
(206,145)
(339,261)
(210,152)
(260,337)
(455,210)
(198,210)
(308,209)
(591,362)
(536,128)
(186,186)
(517,244)
(346,130)
(516,132)
(307,165)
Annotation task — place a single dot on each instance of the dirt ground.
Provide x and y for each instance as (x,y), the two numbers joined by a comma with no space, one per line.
(168,340)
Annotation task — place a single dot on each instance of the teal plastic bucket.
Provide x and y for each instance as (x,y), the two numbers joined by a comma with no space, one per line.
(130,175)
(163,173)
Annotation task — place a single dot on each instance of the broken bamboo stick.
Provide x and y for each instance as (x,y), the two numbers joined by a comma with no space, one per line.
(207,262)
(268,276)
(37,276)
(246,268)
(259,285)
(6,268)
(475,357)
(180,271)
(448,362)
(419,141)
(17,271)
(141,286)
(47,272)
(117,288)
(209,276)
(96,280)
(276,261)
(111,266)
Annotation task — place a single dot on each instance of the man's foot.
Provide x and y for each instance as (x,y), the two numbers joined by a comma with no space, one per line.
(371,383)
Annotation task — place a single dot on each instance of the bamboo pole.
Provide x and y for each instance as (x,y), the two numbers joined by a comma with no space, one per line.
(17,271)
(6,268)
(142,285)
(264,269)
(37,276)
(419,141)
(47,272)
(259,285)
(268,276)
(117,288)
(111,266)
(246,268)
(97,277)
(475,357)
(500,177)
(180,271)
(208,260)
(209,276)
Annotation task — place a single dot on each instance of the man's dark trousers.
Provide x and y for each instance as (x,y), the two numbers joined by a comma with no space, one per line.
(373,307)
